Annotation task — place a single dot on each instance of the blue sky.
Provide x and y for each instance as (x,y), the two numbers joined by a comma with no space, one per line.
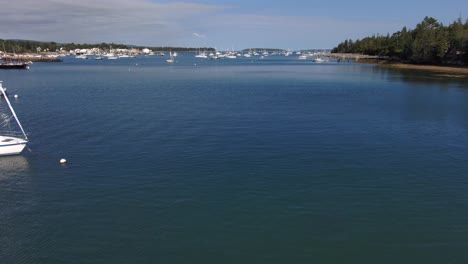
(224,24)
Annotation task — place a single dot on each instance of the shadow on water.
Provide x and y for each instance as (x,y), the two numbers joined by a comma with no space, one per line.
(421,76)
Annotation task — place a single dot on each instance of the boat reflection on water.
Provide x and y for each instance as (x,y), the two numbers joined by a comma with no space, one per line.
(13,166)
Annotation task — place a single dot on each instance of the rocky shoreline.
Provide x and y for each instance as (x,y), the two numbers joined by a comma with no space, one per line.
(441,71)
(21,58)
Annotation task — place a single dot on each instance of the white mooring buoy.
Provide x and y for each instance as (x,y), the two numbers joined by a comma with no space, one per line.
(16,96)
(63,161)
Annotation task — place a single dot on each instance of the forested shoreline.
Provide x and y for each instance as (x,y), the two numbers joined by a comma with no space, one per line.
(30,46)
(429,43)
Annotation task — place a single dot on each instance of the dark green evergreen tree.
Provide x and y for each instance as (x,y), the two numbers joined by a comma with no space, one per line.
(429,43)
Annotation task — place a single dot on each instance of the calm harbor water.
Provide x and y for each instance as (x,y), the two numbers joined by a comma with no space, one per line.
(235,161)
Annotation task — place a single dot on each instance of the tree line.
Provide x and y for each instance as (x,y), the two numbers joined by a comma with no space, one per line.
(429,43)
(30,46)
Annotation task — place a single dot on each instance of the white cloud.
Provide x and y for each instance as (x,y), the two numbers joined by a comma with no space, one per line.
(197,35)
(131,22)
(141,22)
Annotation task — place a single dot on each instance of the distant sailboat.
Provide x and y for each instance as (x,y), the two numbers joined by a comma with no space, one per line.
(201,55)
(171,58)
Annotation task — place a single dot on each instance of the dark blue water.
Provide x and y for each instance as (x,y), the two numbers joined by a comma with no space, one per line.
(235,161)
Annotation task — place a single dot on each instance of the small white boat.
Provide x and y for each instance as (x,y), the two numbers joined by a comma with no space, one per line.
(201,55)
(111,56)
(318,59)
(12,145)
(171,58)
(82,56)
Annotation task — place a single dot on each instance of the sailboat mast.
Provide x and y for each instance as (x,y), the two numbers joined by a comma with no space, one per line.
(12,111)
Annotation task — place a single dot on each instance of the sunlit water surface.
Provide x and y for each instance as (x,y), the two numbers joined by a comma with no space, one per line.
(235,161)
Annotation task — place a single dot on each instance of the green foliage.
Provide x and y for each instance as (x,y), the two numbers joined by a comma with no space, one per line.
(429,43)
(28,46)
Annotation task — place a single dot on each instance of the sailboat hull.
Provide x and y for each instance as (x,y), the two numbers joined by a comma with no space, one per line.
(11,145)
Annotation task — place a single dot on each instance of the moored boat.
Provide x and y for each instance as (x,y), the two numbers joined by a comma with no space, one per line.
(11,145)
(171,58)
(82,56)
(318,59)
(14,65)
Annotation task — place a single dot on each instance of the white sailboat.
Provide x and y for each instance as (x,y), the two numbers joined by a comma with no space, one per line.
(201,55)
(12,145)
(171,58)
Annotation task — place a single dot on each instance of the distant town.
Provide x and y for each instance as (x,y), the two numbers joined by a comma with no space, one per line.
(33,51)
(99,54)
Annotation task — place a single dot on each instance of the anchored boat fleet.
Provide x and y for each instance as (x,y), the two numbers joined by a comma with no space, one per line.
(14,142)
